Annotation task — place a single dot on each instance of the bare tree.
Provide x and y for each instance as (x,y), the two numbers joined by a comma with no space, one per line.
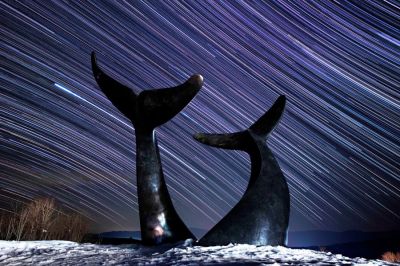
(41,219)
(10,227)
(21,224)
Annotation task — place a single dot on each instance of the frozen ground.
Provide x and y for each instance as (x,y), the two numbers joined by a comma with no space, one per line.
(70,253)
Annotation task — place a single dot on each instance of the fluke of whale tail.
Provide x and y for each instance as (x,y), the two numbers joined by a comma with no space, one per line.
(261,216)
(159,221)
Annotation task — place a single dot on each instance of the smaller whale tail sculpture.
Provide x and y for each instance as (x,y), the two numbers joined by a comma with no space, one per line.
(261,216)
(159,221)
(240,140)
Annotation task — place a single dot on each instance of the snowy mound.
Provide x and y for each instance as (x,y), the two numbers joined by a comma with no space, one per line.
(70,253)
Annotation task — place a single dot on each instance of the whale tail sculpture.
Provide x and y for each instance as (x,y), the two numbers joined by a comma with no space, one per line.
(157,106)
(159,220)
(261,216)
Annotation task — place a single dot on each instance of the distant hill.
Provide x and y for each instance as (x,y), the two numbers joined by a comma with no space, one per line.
(136,234)
(295,239)
(327,238)
(121,234)
(369,245)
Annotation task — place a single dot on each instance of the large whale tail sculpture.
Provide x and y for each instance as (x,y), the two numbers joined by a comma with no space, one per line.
(159,221)
(261,216)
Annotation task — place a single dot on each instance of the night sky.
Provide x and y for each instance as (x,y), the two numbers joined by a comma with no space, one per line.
(337,62)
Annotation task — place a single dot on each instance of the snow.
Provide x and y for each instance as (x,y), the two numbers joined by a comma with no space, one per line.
(70,253)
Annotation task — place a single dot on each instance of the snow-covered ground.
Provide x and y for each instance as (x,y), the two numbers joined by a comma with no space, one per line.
(70,253)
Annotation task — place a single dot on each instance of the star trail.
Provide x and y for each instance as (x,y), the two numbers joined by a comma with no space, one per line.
(337,62)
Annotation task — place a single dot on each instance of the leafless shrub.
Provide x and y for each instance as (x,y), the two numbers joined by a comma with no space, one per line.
(76,227)
(41,219)
(324,249)
(391,256)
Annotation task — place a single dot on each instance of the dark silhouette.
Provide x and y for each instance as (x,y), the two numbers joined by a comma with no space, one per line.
(261,216)
(159,221)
